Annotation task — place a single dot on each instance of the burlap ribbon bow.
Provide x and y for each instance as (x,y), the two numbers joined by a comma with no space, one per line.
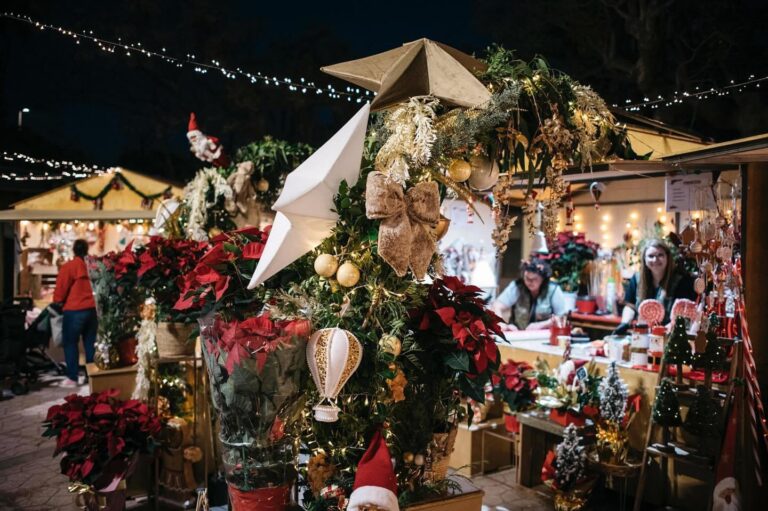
(407,220)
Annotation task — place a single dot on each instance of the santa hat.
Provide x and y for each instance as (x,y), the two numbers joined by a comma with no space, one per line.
(192,126)
(375,482)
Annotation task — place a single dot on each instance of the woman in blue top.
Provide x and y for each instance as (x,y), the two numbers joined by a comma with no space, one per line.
(532,300)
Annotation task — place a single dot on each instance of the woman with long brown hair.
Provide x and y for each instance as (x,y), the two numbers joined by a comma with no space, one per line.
(657,279)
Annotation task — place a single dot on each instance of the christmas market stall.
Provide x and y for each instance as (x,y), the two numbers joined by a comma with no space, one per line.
(109,210)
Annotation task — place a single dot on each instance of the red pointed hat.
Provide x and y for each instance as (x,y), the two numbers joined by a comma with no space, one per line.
(375,481)
(192,123)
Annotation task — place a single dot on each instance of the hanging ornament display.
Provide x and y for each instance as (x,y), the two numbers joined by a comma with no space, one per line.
(333,355)
(459,170)
(326,265)
(485,173)
(116,184)
(596,189)
(348,274)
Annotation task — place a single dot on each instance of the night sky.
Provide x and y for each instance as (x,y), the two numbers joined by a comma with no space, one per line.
(108,109)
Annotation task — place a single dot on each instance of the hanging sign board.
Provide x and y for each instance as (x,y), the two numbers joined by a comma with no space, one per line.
(688,193)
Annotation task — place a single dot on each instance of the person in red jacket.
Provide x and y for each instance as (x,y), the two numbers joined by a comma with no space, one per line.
(74,293)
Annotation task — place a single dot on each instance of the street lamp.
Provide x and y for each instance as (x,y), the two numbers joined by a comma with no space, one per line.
(21,115)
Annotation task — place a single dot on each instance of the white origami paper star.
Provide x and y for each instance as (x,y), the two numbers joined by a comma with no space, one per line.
(304,209)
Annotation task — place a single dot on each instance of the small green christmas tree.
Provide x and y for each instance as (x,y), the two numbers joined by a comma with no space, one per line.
(703,417)
(570,460)
(666,408)
(678,349)
(714,354)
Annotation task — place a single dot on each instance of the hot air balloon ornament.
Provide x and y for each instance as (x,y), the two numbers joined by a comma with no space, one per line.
(333,354)
(596,189)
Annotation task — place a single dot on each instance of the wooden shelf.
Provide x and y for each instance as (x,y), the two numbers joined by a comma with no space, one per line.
(676,455)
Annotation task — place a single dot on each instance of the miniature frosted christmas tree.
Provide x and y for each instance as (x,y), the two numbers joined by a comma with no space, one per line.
(678,349)
(613,394)
(570,460)
(714,354)
(666,408)
(703,416)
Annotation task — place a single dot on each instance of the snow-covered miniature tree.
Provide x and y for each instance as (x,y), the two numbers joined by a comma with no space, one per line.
(613,396)
(570,460)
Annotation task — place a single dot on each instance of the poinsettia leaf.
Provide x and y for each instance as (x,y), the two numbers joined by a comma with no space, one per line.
(458,361)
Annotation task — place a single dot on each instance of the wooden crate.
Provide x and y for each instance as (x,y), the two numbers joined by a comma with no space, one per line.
(467,458)
(122,379)
(469,498)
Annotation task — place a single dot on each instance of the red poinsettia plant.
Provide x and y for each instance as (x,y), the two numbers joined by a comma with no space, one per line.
(515,383)
(163,264)
(568,256)
(100,436)
(220,277)
(466,331)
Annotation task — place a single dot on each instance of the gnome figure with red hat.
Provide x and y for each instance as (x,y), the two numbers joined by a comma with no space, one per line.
(375,486)
(204,147)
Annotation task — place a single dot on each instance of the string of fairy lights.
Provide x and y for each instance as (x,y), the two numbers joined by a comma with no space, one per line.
(58,169)
(697,94)
(297,85)
(190,60)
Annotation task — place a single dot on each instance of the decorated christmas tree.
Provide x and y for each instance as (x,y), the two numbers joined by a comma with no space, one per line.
(703,416)
(678,349)
(714,354)
(666,408)
(570,460)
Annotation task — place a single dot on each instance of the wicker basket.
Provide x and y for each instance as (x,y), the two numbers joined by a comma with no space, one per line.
(173,340)
(441,448)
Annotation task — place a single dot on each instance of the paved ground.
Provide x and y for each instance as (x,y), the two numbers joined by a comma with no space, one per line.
(30,478)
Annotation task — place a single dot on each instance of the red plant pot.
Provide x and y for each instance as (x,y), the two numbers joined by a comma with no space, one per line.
(566,418)
(590,411)
(262,499)
(586,305)
(511,423)
(556,331)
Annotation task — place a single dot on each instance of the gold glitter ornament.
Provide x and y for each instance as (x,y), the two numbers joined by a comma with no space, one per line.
(348,274)
(333,354)
(408,457)
(326,265)
(439,230)
(262,185)
(459,170)
(390,344)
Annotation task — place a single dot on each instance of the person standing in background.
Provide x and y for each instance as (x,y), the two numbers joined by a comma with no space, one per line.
(74,293)
(532,300)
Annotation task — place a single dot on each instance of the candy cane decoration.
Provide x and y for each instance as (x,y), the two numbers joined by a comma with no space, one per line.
(651,311)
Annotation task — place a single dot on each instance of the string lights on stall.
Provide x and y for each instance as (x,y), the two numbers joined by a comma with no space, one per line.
(298,85)
(59,169)
(697,94)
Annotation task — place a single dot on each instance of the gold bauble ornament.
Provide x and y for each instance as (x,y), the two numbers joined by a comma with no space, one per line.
(262,185)
(439,230)
(408,457)
(348,274)
(326,265)
(459,170)
(391,344)
(213,232)
(418,460)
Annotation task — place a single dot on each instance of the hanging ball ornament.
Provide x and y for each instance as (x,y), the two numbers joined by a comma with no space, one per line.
(262,185)
(418,460)
(459,170)
(326,265)
(348,274)
(485,173)
(699,285)
(408,457)
(391,344)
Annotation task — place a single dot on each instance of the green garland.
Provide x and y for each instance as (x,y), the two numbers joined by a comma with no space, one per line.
(116,183)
